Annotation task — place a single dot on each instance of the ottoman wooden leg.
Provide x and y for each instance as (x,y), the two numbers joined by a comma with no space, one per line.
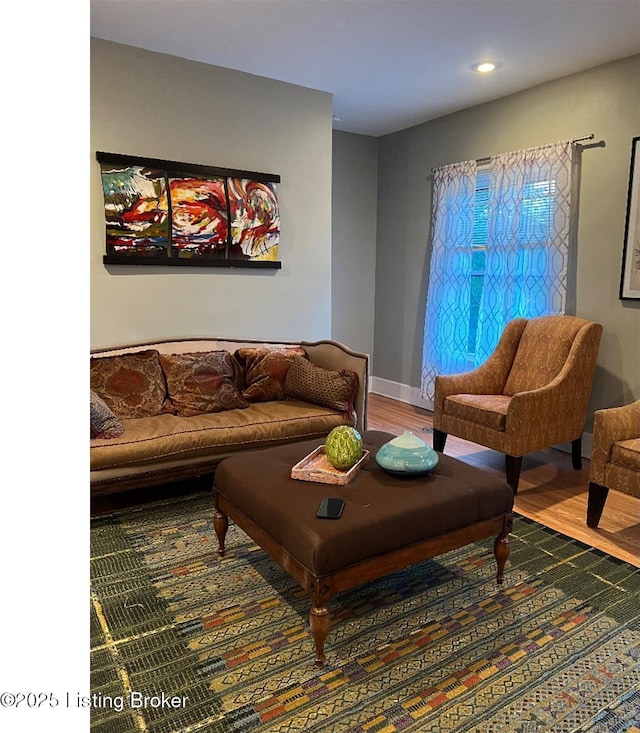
(319,621)
(320,593)
(220,525)
(501,553)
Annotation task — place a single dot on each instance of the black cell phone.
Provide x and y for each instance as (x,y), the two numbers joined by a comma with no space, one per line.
(330,508)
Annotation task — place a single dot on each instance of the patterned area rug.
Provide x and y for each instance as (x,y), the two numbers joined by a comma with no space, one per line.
(185,641)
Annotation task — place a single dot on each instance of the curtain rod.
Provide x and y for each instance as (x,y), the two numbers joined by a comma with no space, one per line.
(584,137)
(485,161)
(573,141)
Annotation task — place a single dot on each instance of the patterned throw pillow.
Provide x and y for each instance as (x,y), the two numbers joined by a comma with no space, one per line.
(132,385)
(311,383)
(201,382)
(265,370)
(104,424)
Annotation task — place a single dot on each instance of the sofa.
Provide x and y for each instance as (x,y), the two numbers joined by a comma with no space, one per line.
(615,457)
(171,410)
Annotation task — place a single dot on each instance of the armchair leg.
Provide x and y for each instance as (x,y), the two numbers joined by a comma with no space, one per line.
(595,503)
(513,465)
(576,453)
(439,439)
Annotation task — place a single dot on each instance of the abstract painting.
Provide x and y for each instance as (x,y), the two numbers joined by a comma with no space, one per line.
(136,210)
(199,218)
(255,219)
(166,213)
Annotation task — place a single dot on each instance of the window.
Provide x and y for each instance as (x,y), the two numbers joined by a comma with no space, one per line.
(478,255)
(499,250)
(531,210)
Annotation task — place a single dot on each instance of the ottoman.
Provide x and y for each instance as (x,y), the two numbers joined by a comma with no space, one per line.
(388,522)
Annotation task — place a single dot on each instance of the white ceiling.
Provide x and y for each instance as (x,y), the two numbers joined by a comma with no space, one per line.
(390,64)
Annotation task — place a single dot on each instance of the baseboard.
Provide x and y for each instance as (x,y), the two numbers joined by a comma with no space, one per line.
(412,396)
(400,392)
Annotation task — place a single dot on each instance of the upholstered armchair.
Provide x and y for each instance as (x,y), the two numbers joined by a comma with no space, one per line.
(615,457)
(532,392)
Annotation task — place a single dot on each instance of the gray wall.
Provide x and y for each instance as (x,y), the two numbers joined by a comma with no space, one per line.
(353,233)
(159,106)
(605,101)
(369,289)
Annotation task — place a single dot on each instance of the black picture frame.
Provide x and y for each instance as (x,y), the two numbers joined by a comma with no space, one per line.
(630,272)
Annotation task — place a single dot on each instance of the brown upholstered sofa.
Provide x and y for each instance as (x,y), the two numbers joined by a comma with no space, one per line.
(615,456)
(176,408)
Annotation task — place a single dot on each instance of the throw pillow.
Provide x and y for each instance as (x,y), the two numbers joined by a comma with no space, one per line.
(104,424)
(201,382)
(265,371)
(132,385)
(311,383)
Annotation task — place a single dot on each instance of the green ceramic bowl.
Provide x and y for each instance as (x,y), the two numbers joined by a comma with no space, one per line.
(407,455)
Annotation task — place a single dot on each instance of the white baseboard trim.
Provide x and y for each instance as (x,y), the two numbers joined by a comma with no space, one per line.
(412,396)
(400,392)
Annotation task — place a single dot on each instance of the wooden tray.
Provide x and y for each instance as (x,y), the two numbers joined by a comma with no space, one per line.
(317,467)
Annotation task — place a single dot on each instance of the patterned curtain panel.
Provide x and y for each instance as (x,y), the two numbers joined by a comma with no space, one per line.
(529,206)
(500,251)
(446,329)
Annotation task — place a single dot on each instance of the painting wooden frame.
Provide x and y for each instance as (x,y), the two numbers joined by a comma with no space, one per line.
(160,212)
(630,275)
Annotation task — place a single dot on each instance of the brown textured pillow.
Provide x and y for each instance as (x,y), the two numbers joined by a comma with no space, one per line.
(201,382)
(132,385)
(311,383)
(265,370)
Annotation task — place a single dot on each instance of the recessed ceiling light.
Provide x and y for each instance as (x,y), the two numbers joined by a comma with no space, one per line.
(486,67)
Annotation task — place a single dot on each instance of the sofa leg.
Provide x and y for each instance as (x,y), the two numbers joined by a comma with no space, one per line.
(576,453)
(513,464)
(439,439)
(595,503)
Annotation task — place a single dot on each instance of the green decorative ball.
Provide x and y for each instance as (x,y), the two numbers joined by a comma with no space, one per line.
(343,447)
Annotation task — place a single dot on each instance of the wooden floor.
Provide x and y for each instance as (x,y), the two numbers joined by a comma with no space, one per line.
(550,490)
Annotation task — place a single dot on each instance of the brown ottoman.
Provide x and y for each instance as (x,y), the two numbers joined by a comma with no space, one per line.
(387,524)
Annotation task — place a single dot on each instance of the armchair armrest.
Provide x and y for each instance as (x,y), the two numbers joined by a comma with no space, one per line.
(611,425)
(550,409)
(489,377)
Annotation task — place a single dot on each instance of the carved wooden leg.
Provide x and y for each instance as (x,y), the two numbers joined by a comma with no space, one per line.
(439,439)
(595,503)
(320,593)
(513,465)
(319,621)
(501,553)
(221,525)
(576,453)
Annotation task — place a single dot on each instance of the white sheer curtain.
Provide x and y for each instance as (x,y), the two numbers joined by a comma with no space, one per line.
(527,239)
(500,250)
(446,331)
